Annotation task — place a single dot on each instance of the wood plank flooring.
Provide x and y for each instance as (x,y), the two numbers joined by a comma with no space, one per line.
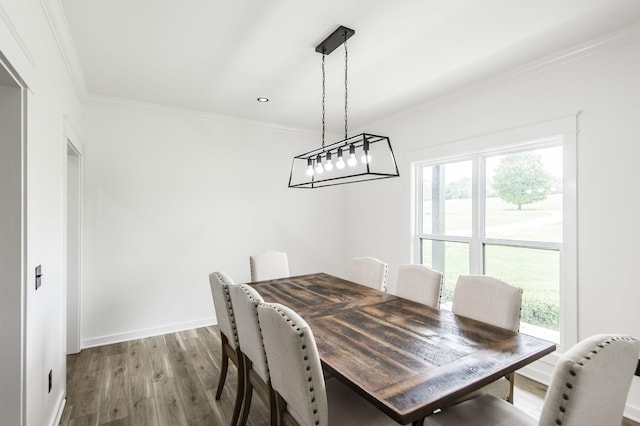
(162,380)
(171,380)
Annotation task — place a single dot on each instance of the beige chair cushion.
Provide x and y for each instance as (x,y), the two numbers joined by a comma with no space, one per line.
(369,271)
(348,408)
(486,410)
(269,265)
(420,284)
(589,386)
(489,300)
(245,300)
(294,364)
(590,382)
(219,283)
(501,388)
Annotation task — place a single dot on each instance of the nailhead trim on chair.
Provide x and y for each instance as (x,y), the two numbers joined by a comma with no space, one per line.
(256,302)
(574,372)
(384,279)
(308,367)
(232,318)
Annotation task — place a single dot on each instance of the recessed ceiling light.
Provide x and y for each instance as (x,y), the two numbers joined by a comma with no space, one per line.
(263,100)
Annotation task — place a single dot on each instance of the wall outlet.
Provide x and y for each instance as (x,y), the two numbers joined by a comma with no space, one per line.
(638,368)
(38,276)
(50,380)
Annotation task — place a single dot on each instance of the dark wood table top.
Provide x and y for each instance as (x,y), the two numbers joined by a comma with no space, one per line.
(406,358)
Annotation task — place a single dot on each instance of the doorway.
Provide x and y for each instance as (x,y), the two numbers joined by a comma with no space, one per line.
(12,242)
(73,242)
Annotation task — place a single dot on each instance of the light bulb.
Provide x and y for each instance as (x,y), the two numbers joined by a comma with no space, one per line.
(328,165)
(309,167)
(340,163)
(352,156)
(319,168)
(366,157)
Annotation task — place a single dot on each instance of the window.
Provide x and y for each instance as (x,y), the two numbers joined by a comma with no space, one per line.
(499,213)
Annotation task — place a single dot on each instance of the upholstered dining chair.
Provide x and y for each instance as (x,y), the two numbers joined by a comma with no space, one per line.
(369,271)
(269,265)
(589,386)
(420,284)
(302,395)
(494,302)
(245,300)
(220,284)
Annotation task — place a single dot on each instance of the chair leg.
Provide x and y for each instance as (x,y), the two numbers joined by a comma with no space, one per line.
(239,391)
(224,365)
(248,392)
(273,409)
(512,380)
(281,406)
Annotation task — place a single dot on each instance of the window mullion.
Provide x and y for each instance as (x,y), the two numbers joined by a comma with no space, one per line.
(419,196)
(477,214)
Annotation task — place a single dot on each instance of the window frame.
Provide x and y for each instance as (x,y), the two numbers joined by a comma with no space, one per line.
(515,139)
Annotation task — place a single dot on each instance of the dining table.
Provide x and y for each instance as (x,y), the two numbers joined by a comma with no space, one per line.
(406,358)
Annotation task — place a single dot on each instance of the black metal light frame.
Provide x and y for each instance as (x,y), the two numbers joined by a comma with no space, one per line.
(383,166)
(362,172)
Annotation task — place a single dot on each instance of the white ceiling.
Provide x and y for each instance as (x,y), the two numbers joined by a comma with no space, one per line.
(218,55)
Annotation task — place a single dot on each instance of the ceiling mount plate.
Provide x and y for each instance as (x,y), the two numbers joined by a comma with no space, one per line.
(336,38)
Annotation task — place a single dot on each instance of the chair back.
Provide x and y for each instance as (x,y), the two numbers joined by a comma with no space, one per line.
(369,271)
(420,284)
(220,283)
(590,382)
(269,265)
(294,363)
(245,300)
(489,300)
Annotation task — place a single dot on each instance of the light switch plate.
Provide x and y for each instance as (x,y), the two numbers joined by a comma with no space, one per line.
(38,276)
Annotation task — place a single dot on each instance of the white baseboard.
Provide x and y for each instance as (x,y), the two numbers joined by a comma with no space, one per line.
(61,404)
(632,412)
(149,332)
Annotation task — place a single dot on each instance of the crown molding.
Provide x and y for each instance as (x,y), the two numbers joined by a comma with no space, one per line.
(57,20)
(580,51)
(99,100)
(16,36)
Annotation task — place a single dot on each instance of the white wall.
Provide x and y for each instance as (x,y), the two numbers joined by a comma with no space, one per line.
(605,87)
(171,196)
(27,42)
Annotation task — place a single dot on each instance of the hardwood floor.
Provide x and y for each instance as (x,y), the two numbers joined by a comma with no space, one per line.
(171,380)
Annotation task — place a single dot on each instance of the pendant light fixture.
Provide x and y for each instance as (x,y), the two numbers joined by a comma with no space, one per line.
(354,159)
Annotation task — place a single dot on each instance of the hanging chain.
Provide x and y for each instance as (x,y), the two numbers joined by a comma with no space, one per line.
(323,95)
(346,58)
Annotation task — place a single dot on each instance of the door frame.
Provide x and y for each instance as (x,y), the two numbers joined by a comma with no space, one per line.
(73,311)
